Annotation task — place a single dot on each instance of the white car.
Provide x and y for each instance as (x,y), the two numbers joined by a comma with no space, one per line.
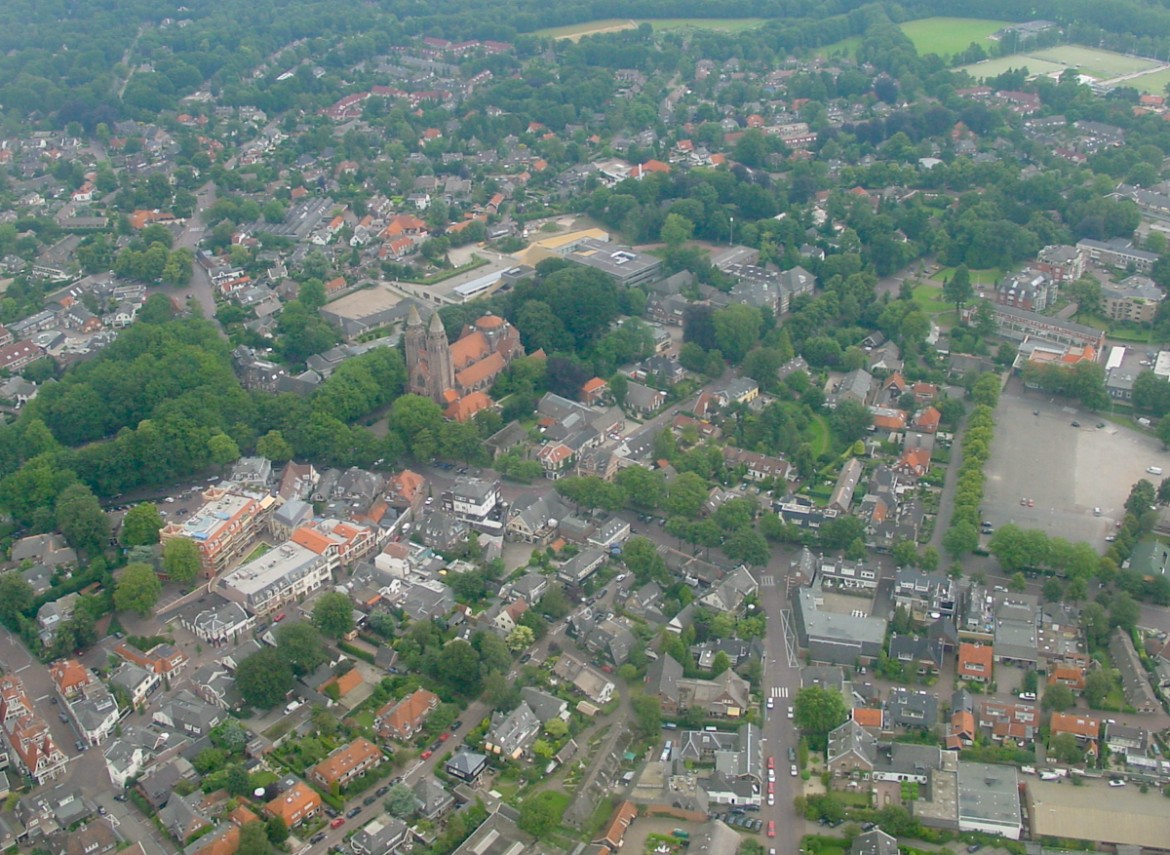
(772,775)
(1116,783)
(771,799)
(790,713)
(794,771)
(771,703)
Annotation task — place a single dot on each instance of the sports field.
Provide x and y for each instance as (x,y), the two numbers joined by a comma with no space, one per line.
(1154,84)
(613,25)
(946,36)
(1102,64)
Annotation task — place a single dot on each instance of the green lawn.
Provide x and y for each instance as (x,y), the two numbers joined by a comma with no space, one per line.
(556,801)
(846,46)
(929,300)
(946,36)
(987,276)
(610,25)
(260,549)
(1153,84)
(819,435)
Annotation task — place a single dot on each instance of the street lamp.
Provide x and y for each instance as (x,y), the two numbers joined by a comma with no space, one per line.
(731,238)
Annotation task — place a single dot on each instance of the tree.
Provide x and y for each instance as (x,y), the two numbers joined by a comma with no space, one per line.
(254,839)
(747,545)
(400,802)
(277,830)
(1064,749)
(181,561)
(851,420)
(333,614)
(737,329)
(239,782)
(676,230)
(556,728)
(302,647)
(986,390)
(137,590)
(538,815)
(1098,685)
(16,598)
(275,447)
(818,711)
(647,714)
(644,487)
(685,495)
(458,667)
(520,638)
(720,664)
(264,678)
(1058,698)
(957,289)
(223,450)
(141,525)
(1018,583)
(81,519)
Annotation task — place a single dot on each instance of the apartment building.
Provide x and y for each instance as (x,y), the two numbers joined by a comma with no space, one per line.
(224,528)
(277,577)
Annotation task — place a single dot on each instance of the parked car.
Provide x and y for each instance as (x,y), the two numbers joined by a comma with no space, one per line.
(279,617)
(443,737)
(456,725)
(369,800)
(337,823)
(426,755)
(120,797)
(317,838)
(771,828)
(381,791)
(352,812)
(332,812)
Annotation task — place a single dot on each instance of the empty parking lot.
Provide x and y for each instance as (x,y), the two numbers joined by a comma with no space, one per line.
(1066,471)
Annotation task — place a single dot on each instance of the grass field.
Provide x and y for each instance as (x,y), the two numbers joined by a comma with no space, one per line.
(1102,64)
(613,25)
(845,46)
(946,36)
(930,300)
(818,437)
(1154,84)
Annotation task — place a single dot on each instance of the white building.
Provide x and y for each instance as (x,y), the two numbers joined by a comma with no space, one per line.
(280,576)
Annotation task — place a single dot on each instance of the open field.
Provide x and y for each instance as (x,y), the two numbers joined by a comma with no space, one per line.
(845,46)
(946,36)
(614,25)
(1102,64)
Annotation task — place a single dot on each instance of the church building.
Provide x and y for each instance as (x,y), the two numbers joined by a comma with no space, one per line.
(456,376)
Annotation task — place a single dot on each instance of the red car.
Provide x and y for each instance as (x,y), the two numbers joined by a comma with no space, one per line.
(771,763)
(771,788)
(771,828)
(337,823)
(426,755)
(443,737)
(279,617)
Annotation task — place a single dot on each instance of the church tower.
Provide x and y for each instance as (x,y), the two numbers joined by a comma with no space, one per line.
(415,339)
(442,370)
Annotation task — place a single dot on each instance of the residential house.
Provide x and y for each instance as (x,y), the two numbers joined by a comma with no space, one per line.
(852,751)
(403,719)
(382,835)
(909,709)
(1013,722)
(975,663)
(921,656)
(511,733)
(1135,682)
(346,763)
(295,805)
(162,659)
(1086,729)
(432,798)
(467,766)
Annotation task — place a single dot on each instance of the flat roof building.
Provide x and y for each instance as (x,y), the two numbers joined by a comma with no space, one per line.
(224,527)
(989,799)
(275,578)
(626,266)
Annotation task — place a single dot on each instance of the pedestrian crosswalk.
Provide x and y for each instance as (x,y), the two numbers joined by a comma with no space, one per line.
(779,691)
(768,580)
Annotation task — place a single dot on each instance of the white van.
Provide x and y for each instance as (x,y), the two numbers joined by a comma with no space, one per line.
(1155,470)
(293,706)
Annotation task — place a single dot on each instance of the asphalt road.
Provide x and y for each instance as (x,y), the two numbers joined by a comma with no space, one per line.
(191,235)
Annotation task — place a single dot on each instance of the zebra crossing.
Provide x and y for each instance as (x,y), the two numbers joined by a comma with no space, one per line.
(768,580)
(779,691)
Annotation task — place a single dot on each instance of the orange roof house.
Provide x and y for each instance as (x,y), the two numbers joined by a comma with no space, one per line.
(975,663)
(1083,727)
(626,813)
(914,463)
(223,841)
(887,419)
(594,390)
(928,420)
(869,718)
(403,719)
(346,763)
(406,489)
(71,677)
(1067,675)
(463,409)
(962,730)
(346,683)
(335,284)
(296,805)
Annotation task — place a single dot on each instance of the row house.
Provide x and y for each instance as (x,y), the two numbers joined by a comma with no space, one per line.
(403,719)
(162,659)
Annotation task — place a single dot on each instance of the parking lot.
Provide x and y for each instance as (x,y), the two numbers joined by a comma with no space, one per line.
(1065,471)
